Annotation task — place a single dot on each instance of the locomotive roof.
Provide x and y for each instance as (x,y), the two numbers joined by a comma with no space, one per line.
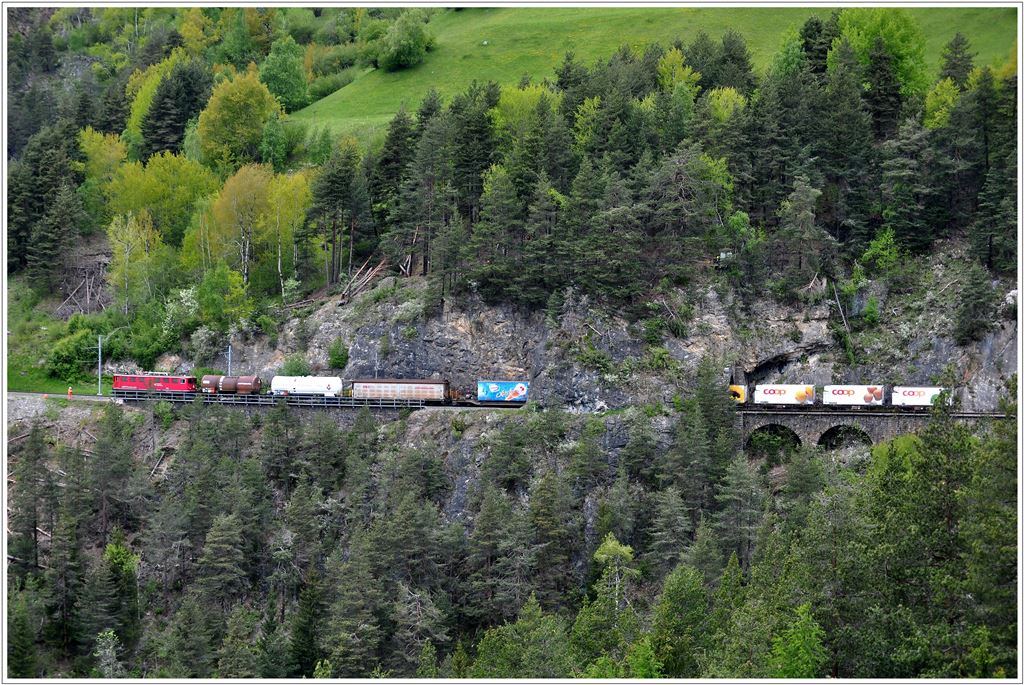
(154,374)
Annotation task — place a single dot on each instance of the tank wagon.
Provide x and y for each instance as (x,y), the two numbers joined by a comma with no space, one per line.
(232,385)
(322,386)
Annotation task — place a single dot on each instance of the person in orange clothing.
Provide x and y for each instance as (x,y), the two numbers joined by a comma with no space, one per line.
(69,392)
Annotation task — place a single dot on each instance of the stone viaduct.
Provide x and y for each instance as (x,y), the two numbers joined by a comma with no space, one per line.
(823,426)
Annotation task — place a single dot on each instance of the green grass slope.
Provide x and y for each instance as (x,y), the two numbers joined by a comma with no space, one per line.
(502,44)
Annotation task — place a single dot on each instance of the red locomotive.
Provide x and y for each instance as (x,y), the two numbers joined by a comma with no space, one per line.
(149,382)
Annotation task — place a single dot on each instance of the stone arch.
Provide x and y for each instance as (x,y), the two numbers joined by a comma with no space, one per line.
(844,434)
(772,437)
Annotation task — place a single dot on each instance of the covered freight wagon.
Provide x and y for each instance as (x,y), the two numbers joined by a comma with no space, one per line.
(502,391)
(326,386)
(853,395)
(428,390)
(784,394)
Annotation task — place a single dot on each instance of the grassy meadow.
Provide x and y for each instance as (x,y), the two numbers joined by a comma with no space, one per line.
(502,44)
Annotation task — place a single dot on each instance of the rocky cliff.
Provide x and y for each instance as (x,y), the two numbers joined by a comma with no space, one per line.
(586,359)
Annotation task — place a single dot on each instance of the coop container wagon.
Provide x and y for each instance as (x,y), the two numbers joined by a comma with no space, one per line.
(505,392)
(325,386)
(903,396)
(853,395)
(784,394)
(427,390)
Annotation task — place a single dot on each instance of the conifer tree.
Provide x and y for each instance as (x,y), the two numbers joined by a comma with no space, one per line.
(705,554)
(535,646)
(58,228)
(739,514)
(554,525)
(957,60)
(308,624)
(905,189)
(179,97)
(678,626)
(977,304)
(496,242)
(237,657)
(388,173)
(670,533)
(883,96)
(64,578)
(354,633)
(26,495)
(799,652)
(22,660)
(220,566)
(418,621)
(189,639)
(735,69)
(846,137)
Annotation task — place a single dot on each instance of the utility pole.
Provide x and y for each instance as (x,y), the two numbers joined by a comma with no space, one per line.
(229,359)
(99,366)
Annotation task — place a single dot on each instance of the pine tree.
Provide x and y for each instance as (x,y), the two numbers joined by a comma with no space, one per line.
(739,514)
(735,69)
(220,566)
(426,667)
(388,173)
(64,579)
(26,511)
(237,657)
(535,646)
(678,626)
(354,631)
(22,661)
(687,465)
(705,554)
(551,516)
(799,652)
(670,533)
(476,148)
(189,639)
(301,517)
(977,305)
(305,646)
(846,137)
(957,60)
(179,97)
(60,227)
(905,188)
(430,106)
(883,96)
(418,621)
(112,467)
(496,241)
(705,57)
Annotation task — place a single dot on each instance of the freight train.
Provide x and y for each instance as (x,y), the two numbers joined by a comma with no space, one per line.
(837,395)
(425,391)
(495,393)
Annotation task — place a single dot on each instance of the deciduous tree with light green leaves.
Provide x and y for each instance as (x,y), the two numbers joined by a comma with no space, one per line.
(284,75)
(231,126)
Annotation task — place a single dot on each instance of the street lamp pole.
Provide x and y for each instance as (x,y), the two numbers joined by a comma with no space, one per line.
(99,360)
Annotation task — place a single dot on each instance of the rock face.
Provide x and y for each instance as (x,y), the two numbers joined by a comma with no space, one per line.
(586,360)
